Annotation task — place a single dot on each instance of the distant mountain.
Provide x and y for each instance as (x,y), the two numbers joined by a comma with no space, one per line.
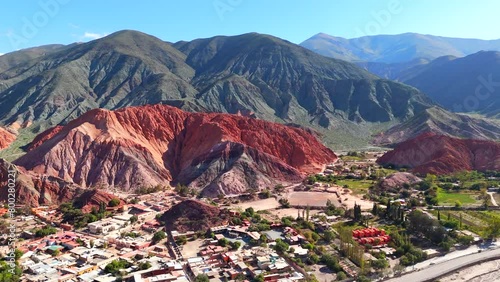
(442,122)
(396,48)
(251,73)
(393,71)
(438,154)
(125,68)
(155,145)
(469,84)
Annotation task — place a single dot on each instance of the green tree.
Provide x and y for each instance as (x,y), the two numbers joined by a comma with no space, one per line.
(134,219)
(201,278)
(375,209)
(281,246)
(284,203)
(341,276)
(259,278)
(114,202)
(144,265)
(158,236)
(223,242)
(328,236)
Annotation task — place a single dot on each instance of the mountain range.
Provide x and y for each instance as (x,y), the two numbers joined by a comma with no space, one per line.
(399,48)
(449,70)
(219,115)
(154,145)
(251,73)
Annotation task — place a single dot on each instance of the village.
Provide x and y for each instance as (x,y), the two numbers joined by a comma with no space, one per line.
(325,229)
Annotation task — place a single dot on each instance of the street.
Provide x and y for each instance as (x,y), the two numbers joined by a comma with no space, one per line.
(431,269)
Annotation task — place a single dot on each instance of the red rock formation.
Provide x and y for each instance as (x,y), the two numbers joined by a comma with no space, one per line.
(438,154)
(35,190)
(6,137)
(152,145)
(32,189)
(193,215)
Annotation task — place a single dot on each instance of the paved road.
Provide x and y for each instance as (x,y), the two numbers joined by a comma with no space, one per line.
(439,269)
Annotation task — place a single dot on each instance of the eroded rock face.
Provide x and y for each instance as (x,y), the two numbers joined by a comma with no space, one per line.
(191,215)
(151,145)
(36,190)
(437,154)
(6,137)
(398,179)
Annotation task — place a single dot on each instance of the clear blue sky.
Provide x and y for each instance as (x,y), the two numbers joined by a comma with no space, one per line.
(32,23)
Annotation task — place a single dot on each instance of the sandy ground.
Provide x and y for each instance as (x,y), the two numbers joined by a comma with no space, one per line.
(485,272)
(191,248)
(320,198)
(266,204)
(315,199)
(322,273)
(290,212)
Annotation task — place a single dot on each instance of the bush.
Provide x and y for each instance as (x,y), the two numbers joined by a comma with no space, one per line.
(45,231)
(281,246)
(115,266)
(144,265)
(158,236)
(114,202)
(341,276)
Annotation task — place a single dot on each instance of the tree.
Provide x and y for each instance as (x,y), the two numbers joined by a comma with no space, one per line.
(235,245)
(357,212)
(158,236)
(312,258)
(56,253)
(181,240)
(115,266)
(240,277)
(281,246)
(144,265)
(379,263)
(493,229)
(423,224)
(134,219)
(259,278)
(375,209)
(114,202)
(328,236)
(201,278)
(341,276)
(331,262)
(279,188)
(223,242)
(284,203)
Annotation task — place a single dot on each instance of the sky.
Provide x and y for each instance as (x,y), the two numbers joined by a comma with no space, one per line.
(31,23)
